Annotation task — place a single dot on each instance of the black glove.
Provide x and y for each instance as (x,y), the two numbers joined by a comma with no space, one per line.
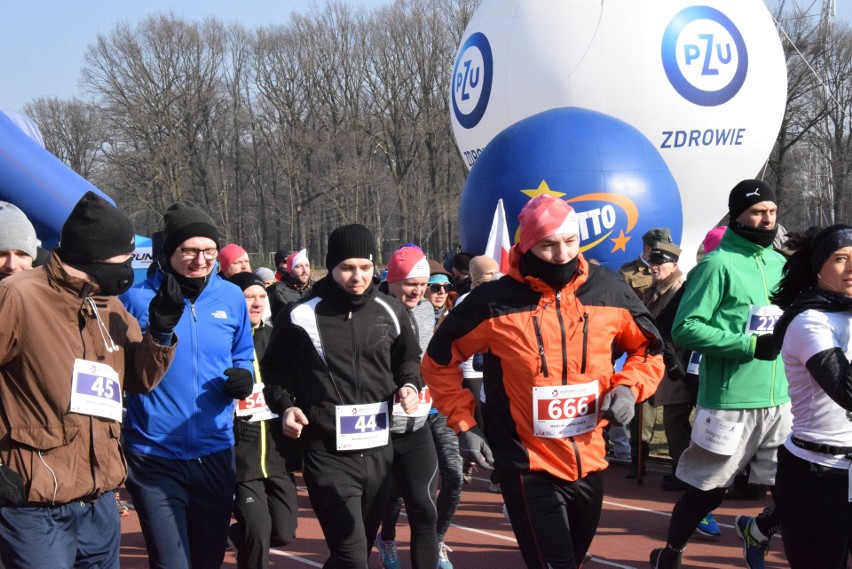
(239,383)
(619,405)
(166,307)
(765,349)
(11,487)
(473,448)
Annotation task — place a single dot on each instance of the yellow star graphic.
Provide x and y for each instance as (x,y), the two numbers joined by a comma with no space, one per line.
(542,189)
(620,241)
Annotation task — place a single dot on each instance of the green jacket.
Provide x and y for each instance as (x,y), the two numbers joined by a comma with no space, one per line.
(712,319)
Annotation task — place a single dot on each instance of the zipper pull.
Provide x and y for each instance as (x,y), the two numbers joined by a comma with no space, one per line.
(192,309)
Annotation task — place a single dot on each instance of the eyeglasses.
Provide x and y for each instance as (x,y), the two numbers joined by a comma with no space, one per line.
(190,253)
(438,287)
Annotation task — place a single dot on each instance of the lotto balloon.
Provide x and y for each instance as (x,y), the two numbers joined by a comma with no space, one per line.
(606,169)
(704,82)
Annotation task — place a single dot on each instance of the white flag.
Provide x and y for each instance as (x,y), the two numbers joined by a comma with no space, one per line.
(498,239)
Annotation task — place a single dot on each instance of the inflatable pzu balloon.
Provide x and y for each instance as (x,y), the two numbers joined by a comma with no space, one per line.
(705,82)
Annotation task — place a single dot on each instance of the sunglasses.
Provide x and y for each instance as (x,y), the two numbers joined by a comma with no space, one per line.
(445,287)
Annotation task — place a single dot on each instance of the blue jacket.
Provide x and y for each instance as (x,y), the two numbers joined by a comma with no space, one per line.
(189,415)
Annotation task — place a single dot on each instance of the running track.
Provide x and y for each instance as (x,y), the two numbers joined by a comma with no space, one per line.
(634,520)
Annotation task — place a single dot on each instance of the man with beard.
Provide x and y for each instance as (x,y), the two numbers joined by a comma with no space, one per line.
(294,280)
(743,407)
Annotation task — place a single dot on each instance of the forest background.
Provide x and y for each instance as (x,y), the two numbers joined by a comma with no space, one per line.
(341,115)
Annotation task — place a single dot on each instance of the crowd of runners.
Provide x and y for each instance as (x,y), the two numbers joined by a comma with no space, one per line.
(207,387)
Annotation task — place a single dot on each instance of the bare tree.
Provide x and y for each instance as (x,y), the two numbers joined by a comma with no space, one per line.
(71,130)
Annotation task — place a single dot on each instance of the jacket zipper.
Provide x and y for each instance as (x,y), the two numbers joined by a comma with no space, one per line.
(564,341)
(760,264)
(540,341)
(351,319)
(585,341)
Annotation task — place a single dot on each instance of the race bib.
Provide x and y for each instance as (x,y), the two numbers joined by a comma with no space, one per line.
(694,362)
(254,406)
(422,408)
(562,411)
(361,426)
(95,390)
(716,435)
(762,319)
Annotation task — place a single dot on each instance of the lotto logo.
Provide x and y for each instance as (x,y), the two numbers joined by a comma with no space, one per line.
(473,74)
(704,56)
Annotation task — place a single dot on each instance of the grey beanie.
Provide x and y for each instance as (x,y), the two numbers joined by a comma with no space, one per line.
(16,231)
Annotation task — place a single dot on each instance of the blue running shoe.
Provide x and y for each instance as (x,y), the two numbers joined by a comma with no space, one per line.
(388,555)
(708,526)
(754,551)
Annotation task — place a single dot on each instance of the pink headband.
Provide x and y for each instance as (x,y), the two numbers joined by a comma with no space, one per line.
(407,262)
(544,216)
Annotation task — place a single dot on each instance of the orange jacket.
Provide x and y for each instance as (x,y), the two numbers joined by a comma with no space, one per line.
(532,336)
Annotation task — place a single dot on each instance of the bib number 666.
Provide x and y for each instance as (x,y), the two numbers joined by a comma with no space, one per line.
(568,408)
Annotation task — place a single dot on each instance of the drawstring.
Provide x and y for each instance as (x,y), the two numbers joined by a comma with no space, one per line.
(110,346)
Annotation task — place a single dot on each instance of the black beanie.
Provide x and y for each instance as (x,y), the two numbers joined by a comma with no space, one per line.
(350,241)
(183,221)
(461,262)
(281,256)
(246,279)
(746,194)
(95,231)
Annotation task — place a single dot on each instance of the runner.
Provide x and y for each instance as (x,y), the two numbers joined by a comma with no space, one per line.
(547,334)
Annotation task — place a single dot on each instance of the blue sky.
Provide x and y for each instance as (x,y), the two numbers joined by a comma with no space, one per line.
(43,41)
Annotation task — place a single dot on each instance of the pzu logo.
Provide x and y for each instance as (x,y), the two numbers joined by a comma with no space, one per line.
(471,81)
(704,56)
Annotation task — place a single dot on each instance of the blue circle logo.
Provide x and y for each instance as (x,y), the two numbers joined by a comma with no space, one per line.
(704,56)
(471,81)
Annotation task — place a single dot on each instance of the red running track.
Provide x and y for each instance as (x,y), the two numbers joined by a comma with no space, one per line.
(634,520)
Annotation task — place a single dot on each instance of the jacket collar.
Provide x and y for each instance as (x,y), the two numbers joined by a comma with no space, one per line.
(59,278)
(538,285)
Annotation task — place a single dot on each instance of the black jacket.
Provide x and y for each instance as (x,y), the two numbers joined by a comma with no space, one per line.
(334,348)
(279,454)
(285,292)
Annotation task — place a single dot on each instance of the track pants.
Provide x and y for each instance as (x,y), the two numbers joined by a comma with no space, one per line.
(415,478)
(78,534)
(554,521)
(348,493)
(450,466)
(184,507)
(267,511)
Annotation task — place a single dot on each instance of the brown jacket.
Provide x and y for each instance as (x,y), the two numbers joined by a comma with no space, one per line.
(45,324)
(656,297)
(638,275)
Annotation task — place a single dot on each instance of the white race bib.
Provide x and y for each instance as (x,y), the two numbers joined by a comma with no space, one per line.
(562,411)
(422,408)
(762,319)
(694,362)
(361,426)
(716,435)
(95,390)
(254,406)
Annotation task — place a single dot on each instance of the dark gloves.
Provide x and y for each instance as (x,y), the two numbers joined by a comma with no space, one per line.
(239,383)
(12,491)
(166,307)
(674,367)
(473,448)
(765,349)
(618,405)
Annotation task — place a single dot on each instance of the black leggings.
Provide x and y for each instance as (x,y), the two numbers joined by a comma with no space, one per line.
(348,493)
(267,511)
(547,513)
(415,478)
(816,516)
